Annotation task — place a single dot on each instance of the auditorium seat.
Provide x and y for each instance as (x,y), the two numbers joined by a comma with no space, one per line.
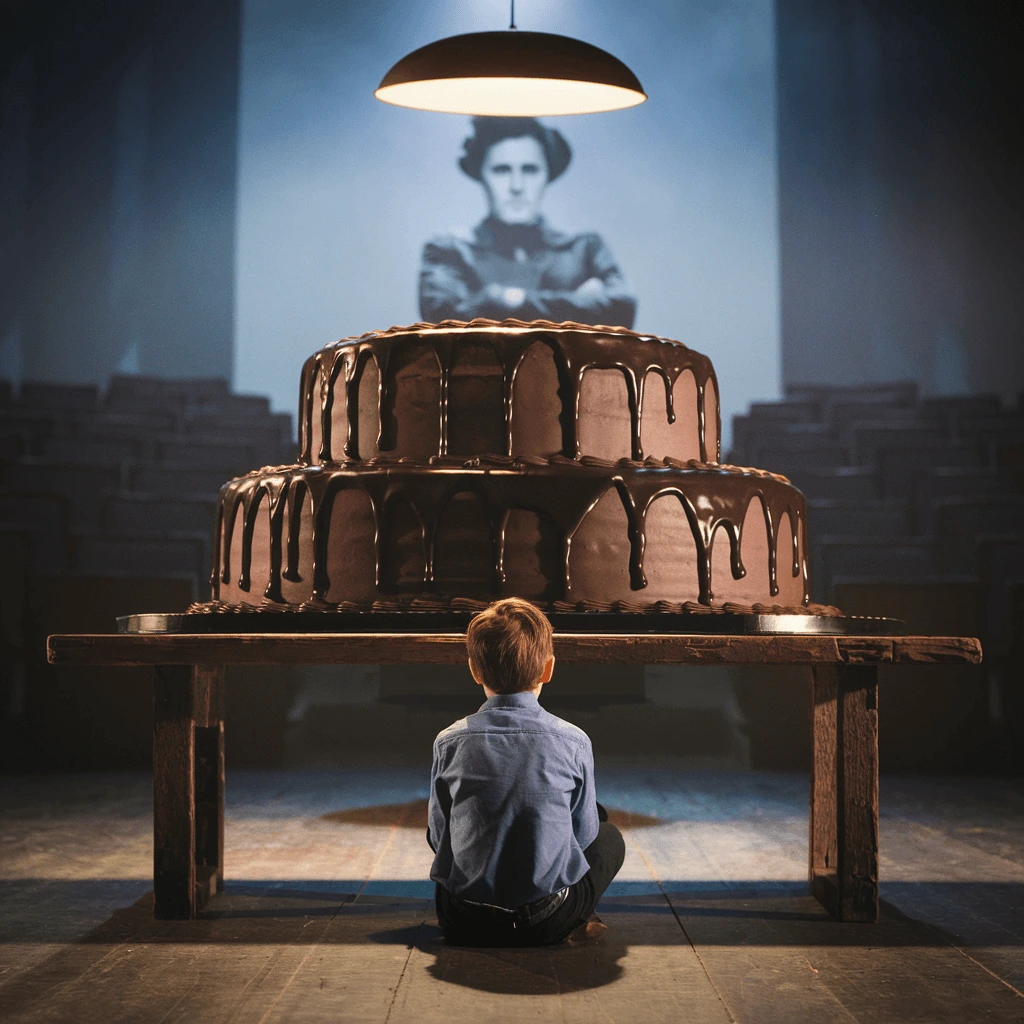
(898,467)
(790,457)
(847,405)
(242,406)
(1001,576)
(16,544)
(1008,454)
(91,451)
(116,425)
(173,478)
(953,410)
(95,716)
(35,428)
(46,518)
(129,436)
(131,393)
(180,555)
(769,416)
(931,485)
(91,604)
(16,554)
(83,485)
(839,483)
(13,446)
(845,417)
(132,515)
(1000,559)
(59,398)
(231,457)
(789,412)
(936,717)
(270,428)
(1001,422)
(863,517)
(880,557)
(870,438)
(960,521)
(897,393)
(1011,687)
(990,434)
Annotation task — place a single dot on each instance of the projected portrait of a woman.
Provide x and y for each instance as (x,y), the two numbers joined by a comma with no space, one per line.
(513,264)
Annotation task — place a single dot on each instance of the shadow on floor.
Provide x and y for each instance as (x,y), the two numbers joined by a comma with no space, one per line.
(734,913)
(545,970)
(328,915)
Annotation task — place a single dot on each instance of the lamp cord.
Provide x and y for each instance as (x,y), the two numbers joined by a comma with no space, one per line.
(512,15)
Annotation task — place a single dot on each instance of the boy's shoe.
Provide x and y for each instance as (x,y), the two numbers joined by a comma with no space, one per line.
(587,931)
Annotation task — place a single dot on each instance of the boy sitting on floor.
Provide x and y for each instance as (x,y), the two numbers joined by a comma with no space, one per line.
(522,850)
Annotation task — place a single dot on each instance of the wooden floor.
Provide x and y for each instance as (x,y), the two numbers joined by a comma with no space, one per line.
(327,914)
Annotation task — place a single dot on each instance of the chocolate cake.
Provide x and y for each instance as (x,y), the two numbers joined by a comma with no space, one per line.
(445,465)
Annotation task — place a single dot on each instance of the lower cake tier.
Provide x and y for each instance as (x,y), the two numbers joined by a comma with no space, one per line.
(553,531)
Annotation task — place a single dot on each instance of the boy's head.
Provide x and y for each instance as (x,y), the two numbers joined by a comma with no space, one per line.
(510,646)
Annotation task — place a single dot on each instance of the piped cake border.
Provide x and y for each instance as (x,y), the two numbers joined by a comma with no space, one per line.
(466,604)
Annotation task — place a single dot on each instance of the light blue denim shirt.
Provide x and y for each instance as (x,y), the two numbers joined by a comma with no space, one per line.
(512,803)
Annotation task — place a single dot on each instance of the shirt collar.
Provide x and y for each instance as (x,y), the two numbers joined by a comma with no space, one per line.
(491,233)
(526,699)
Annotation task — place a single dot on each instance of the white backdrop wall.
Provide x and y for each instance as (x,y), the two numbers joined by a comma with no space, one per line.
(338,192)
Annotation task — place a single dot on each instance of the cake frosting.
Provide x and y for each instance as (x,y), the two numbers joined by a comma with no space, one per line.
(509,388)
(446,465)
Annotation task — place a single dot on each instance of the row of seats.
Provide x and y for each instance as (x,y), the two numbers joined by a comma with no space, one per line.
(107,502)
(124,484)
(896,486)
(920,481)
(913,503)
(139,417)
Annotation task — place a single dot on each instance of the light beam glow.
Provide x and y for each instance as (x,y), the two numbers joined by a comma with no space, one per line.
(508,97)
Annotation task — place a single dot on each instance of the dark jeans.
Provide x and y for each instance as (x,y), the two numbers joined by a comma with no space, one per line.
(466,926)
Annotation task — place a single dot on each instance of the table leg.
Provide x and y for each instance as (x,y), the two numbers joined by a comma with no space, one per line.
(843,844)
(209,796)
(174,777)
(188,788)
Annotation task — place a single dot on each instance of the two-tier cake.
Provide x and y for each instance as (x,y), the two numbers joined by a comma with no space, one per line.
(443,466)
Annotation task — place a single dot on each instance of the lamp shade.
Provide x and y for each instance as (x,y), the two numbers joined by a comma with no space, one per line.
(509,74)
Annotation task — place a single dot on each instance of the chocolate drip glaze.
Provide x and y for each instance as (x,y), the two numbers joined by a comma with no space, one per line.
(576,348)
(563,490)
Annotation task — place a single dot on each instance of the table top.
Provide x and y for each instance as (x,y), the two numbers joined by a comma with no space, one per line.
(450,649)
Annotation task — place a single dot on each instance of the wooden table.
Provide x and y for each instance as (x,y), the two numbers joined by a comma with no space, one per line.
(188,732)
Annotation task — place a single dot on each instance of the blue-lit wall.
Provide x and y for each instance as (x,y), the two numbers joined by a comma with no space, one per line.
(118,130)
(210,188)
(901,176)
(337,192)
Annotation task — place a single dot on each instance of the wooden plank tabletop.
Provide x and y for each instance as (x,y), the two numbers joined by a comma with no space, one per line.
(450,649)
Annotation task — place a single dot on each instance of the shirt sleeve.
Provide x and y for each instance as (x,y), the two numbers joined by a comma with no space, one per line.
(585,822)
(449,287)
(602,298)
(439,804)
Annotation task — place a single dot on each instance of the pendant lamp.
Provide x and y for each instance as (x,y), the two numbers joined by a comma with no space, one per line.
(511,74)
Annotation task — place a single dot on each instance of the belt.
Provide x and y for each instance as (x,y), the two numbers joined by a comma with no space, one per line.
(526,916)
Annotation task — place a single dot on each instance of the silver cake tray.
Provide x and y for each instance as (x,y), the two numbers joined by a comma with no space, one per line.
(415,621)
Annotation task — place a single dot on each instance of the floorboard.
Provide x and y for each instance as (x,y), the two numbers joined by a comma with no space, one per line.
(328,915)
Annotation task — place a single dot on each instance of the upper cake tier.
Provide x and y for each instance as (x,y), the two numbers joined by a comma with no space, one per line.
(508,388)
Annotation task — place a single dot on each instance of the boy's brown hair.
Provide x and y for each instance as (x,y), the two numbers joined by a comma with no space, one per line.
(508,645)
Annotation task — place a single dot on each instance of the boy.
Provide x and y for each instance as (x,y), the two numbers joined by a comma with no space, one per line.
(521,857)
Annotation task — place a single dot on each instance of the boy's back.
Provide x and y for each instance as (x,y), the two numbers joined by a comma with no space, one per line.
(521,853)
(512,803)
